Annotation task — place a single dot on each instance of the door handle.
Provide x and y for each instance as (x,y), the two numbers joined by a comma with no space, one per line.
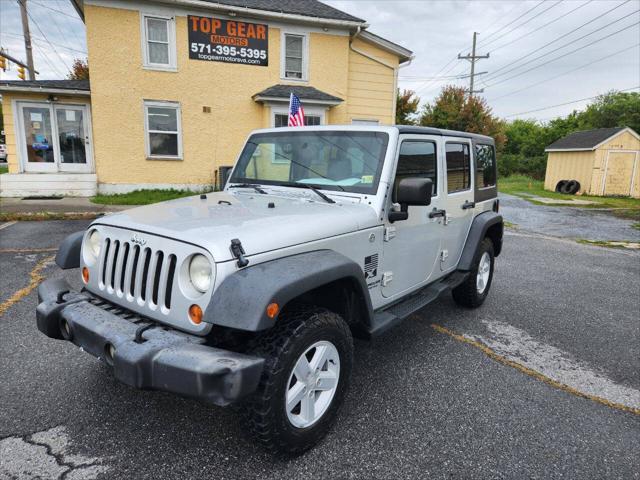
(466,205)
(437,213)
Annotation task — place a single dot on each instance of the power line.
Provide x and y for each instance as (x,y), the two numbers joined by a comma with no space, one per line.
(512,21)
(451,62)
(563,74)
(563,55)
(36,37)
(511,42)
(524,23)
(56,10)
(46,59)
(566,103)
(493,75)
(47,40)
(78,38)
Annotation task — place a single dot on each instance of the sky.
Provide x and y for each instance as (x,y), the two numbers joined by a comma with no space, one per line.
(531,43)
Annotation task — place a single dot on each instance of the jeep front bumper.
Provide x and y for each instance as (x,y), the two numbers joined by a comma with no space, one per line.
(160,359)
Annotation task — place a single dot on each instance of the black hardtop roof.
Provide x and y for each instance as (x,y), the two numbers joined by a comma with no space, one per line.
(410,129)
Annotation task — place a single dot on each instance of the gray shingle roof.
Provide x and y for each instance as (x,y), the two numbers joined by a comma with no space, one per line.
(300,91)
(48,84)
(584,139)
(309,8)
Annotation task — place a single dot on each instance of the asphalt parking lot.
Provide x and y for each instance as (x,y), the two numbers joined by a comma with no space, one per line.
(543,381)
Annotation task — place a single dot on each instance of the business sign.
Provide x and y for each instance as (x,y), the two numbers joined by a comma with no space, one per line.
(230,41)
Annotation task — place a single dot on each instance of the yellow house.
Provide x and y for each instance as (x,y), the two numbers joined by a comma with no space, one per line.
(605,161)
(176,86)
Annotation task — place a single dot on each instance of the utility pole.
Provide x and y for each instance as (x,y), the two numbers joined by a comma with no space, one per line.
(472,58)
(27,38)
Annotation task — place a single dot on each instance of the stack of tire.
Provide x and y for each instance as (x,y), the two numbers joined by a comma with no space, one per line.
(570,187)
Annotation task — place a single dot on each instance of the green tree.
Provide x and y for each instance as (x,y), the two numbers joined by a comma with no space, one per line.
(406,107)
(455,110)
(79,70)
(613,109)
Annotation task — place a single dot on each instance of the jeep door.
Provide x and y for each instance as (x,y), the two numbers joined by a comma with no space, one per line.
(458,199)
(411,247)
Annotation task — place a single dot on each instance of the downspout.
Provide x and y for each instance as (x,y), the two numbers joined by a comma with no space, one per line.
(382,62)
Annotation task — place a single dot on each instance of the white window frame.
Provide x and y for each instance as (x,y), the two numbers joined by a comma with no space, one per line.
(172,66)
(311,111)
(305,55)
(147,131)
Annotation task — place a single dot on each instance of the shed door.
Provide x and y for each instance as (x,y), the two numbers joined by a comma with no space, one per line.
(620,166)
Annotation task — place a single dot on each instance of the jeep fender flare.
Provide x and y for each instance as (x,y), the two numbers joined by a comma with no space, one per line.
(241,300)
(68,255)
(479,229)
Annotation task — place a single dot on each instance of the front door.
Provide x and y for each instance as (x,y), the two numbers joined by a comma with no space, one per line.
(55,138)
(412,246)
(458,200)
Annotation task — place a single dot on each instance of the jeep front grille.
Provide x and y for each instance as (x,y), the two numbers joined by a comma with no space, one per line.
(137,273)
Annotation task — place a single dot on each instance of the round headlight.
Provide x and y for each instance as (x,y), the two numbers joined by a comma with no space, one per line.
(93,242)
(200,273)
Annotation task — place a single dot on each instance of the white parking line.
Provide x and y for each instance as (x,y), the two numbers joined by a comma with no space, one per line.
(518,346)
(7,224)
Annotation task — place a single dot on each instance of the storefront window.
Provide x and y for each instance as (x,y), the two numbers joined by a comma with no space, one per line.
(38,134)
(163,130)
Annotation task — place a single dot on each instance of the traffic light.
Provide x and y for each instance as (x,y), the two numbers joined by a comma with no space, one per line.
(21,73)
(3,64)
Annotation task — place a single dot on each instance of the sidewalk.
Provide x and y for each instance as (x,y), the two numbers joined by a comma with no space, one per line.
(66,205)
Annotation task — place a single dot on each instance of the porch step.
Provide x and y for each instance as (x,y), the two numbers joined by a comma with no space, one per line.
(48,184)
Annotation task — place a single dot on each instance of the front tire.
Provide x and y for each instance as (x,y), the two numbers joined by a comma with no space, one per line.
(474,290)
(308,360)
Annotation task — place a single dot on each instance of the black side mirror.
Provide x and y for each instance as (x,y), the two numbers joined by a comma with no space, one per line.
(411,191)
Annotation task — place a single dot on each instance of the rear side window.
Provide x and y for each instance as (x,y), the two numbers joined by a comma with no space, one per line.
(417,159)
(458,167)
(485,166)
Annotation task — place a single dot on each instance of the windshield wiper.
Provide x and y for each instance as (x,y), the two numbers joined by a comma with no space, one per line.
(249,185)
(315,189)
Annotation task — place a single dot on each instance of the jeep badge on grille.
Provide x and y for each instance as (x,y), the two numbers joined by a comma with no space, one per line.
(137,240)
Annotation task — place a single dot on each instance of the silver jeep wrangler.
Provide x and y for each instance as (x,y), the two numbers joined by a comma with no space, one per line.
(252,295)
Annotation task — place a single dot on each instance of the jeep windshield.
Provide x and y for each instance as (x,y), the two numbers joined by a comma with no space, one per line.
(349,161)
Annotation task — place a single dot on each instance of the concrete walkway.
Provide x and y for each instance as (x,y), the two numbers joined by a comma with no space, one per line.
(567,222)
(63,205)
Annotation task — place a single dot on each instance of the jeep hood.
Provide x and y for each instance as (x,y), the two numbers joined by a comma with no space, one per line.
(295,217)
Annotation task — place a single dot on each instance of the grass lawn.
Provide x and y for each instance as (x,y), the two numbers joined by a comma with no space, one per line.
(4,170)
(141,197)
(518,185)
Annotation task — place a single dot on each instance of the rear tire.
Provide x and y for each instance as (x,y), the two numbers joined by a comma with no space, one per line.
(316,345)
(474,290)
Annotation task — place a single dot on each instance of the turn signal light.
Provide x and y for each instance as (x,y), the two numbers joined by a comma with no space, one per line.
(85,274)
(272,310)
(195,314)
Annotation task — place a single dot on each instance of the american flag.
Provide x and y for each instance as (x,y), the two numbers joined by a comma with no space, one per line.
(296,112)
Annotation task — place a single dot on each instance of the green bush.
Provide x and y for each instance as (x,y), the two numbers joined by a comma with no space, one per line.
(515,164)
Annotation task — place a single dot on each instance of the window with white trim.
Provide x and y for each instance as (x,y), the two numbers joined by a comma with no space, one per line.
(282,120)
(159,42)
(163,135)
(294,59)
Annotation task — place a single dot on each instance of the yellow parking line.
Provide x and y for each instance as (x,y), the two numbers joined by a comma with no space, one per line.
(28,250)
(532,373)
(36,278)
